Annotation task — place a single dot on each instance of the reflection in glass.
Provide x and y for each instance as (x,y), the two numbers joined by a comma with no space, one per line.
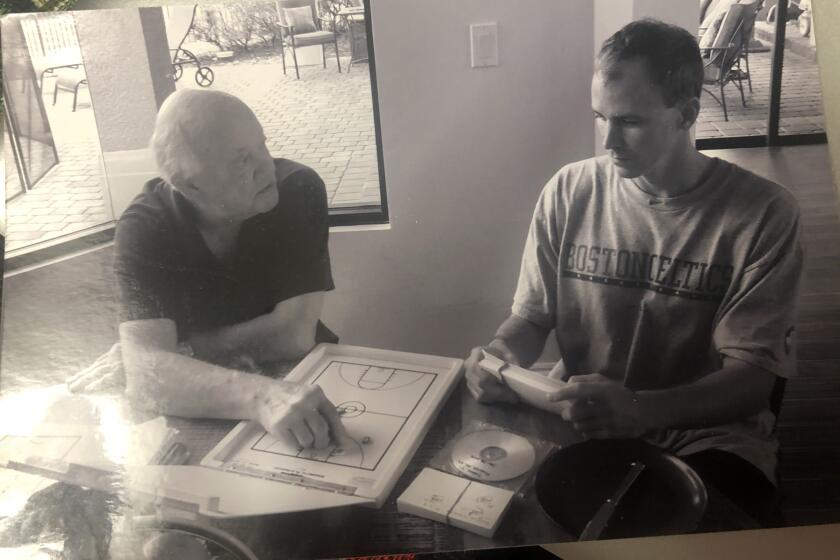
(735,34)
(801,109)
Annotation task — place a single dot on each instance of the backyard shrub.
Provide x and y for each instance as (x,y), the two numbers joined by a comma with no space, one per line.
(237,27)
(265,21)
(227,27)
(17,6)
(329,11)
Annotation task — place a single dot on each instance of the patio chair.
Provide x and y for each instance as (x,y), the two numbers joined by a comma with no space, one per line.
(70,78)
(750,14)
(302,27)
(711,16)
(722,59)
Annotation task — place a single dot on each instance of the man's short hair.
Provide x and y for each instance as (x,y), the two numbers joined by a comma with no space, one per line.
(671,53)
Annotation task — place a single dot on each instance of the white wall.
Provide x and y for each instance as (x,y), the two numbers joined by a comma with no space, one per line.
(610,15)
(115,52)
(127,65)
(685,13)
(466,153)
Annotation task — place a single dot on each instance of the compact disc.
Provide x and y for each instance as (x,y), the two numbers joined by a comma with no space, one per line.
(492,455)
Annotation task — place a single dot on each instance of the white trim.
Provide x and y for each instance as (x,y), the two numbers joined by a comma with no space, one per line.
(360,227)
(56,260)
(10,254)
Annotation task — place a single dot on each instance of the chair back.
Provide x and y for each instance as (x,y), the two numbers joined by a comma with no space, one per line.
(730,41)
(704,7)
(284,4)
(750,14)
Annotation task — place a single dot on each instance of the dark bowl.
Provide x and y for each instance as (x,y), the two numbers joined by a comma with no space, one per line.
(667,498)
(148,537)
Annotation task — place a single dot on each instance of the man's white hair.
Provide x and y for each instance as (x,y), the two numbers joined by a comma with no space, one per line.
(185,129)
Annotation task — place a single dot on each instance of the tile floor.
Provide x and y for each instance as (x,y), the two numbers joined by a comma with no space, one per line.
(71,197)
(324,120)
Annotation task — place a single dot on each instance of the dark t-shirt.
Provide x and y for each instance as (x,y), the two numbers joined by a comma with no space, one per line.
(165,270)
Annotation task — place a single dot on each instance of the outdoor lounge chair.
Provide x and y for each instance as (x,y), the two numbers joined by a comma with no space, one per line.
(70,78)
(751,12)
(302,27)
(722,59)
(712,15)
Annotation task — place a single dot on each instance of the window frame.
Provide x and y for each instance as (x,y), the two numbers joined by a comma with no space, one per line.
(362,215)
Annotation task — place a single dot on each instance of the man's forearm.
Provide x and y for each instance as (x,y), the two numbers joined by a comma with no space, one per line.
(521,337)
(174,384)
(733,393)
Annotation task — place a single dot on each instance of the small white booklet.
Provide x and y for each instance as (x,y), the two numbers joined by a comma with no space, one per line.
(446,498)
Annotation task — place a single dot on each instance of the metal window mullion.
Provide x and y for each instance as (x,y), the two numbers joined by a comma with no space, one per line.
(380,159)
(17,149)
(776,76)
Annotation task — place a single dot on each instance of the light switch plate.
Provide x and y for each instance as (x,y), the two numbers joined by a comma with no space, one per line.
(484,44)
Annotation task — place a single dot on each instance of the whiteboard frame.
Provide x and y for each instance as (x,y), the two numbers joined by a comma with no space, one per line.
(379,482)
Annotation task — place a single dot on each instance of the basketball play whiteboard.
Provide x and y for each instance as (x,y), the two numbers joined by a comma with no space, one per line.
(387,401)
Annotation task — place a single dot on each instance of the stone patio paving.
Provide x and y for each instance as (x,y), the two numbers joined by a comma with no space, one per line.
(69,198)
(323,120)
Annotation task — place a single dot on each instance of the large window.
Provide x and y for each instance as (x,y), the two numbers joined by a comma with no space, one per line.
(762,82)
(316,108)
(316,102)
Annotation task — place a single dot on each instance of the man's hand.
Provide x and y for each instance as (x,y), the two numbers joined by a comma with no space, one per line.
(483,385)
(600,407)
(300,415)
(104,374)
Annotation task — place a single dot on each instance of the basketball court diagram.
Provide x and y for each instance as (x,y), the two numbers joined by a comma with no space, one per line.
(374,403)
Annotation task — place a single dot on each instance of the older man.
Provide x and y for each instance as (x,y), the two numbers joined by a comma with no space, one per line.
(220,262)
(669,278)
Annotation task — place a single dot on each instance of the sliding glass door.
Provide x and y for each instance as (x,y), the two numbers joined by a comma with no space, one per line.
(762,82)
(30,137)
